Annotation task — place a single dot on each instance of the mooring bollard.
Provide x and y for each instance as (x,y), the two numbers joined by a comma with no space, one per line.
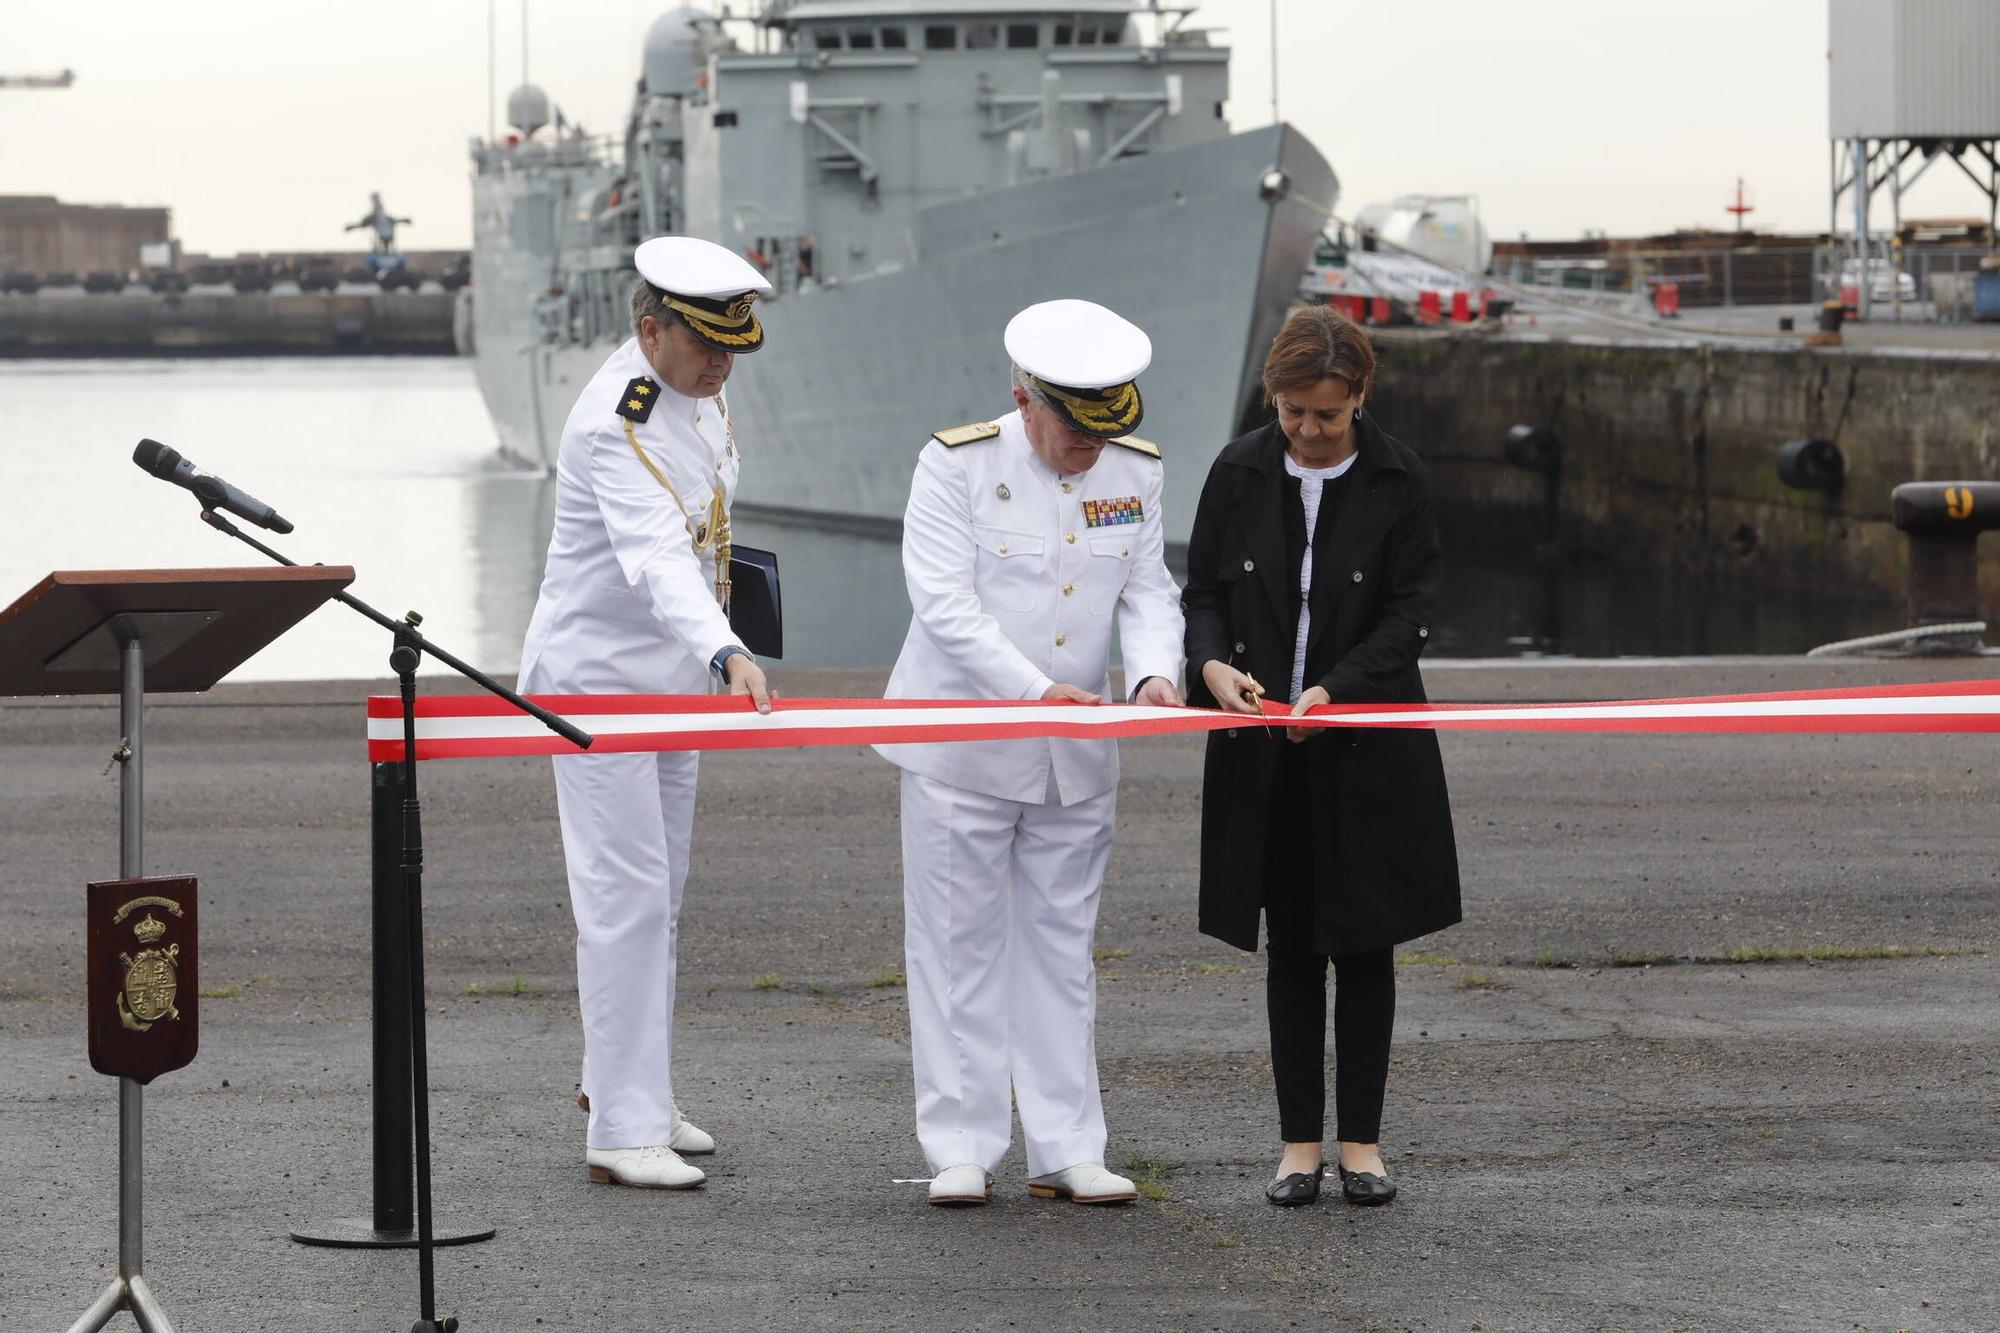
(1943,520)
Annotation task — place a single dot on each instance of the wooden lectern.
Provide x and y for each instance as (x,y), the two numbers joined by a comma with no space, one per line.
(126,632)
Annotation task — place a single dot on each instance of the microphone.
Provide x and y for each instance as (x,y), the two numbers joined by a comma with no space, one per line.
(212,491)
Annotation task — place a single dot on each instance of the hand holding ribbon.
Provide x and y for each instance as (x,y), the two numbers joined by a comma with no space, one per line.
(1316,697)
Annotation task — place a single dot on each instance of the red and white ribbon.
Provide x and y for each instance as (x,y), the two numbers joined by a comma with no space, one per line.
(480,726)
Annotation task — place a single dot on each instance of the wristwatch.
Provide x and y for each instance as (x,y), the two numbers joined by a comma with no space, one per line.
(719,664)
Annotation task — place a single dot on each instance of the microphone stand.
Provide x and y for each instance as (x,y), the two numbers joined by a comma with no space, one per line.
(403,659)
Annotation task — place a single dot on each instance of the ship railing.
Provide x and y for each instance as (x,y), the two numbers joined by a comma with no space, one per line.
(569,150)
(1733,275)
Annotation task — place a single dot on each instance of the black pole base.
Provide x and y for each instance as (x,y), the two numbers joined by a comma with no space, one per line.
(361,1233)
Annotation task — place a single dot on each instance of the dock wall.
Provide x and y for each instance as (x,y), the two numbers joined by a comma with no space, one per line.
(226,324)
(1668,454)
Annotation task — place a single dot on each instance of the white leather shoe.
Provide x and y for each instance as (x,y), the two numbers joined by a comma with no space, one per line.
(655,1168)
(961,1184)
(690,1139)
(1087,1182)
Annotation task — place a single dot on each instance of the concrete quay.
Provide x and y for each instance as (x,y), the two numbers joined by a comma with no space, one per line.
(1717,1046)
(218,322)
(1667,453)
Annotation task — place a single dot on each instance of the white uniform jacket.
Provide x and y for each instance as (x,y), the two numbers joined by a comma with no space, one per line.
(627,602)
(1016,577)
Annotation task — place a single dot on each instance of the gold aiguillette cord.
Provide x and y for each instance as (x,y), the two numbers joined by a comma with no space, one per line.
(712,535)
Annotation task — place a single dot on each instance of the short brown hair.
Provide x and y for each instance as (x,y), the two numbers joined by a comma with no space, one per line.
(1314,345)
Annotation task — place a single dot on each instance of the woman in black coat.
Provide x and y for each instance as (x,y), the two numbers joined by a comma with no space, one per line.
(1312,570)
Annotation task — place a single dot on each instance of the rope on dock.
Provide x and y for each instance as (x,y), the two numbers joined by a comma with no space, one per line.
(1896,638)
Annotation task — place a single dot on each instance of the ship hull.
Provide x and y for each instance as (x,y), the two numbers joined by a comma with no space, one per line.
(1199,246)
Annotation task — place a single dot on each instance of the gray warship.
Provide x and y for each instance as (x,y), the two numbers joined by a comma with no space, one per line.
(908,173)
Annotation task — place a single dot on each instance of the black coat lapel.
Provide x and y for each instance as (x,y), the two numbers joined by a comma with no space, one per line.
(1261,517)
(1367,511)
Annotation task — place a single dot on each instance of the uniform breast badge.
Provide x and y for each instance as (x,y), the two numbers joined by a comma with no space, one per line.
(1113,513)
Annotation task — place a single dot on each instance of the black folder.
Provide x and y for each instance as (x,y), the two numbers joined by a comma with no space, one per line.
(755,611)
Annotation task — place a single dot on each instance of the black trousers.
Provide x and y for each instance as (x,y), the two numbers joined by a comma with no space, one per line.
(1364,1007)
(1364,1016)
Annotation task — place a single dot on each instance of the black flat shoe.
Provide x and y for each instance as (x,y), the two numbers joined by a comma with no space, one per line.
(1295,1190)
(1366,1188)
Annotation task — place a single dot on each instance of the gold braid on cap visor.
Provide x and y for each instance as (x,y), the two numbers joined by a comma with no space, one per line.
(1103,412)
(732,326)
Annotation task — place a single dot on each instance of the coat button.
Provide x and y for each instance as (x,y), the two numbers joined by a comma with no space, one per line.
(1423,631)
(1357,576)
(1068,588)
(1002,491)
(1249,565)
(1003,548)
(1061,639)
(1070,537)
(1240,648)
(1231,733)
(1067,488)
(1124,550)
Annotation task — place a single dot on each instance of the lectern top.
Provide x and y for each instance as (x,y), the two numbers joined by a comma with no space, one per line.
(197,625)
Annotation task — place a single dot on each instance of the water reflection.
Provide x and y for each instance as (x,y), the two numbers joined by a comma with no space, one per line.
(509,516)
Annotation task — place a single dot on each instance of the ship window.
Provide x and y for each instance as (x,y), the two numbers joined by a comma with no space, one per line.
(1021,35)
(982,36)
(1087,35)
(860,39)
(941,37)
(1114,34)
(826,39)
(1065,34)
(895,39)
(724,119)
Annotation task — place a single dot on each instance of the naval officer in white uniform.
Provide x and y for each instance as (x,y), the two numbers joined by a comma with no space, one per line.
(1026,539)
(633,601)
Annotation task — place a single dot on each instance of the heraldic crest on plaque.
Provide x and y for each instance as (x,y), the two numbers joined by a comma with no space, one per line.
(151,979)
(144,982)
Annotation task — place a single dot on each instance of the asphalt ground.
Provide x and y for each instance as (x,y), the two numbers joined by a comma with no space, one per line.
(1716,1046)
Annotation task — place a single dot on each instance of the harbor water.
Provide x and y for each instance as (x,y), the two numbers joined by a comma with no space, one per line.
(390,465)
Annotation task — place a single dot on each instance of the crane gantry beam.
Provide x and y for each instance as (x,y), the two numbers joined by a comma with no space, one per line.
(62,80)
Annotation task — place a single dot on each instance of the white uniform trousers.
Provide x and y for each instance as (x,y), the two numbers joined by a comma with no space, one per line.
(627,820)
(999,910)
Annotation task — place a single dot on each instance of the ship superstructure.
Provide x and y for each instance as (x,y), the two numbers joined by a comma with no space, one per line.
(909,173)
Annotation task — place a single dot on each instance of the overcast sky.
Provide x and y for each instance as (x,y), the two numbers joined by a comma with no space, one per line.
(265,126)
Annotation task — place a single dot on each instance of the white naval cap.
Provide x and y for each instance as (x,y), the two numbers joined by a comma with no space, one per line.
(710,287)
(690,266)
(1084,359)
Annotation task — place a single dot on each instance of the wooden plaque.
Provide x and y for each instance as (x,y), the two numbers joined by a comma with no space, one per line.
(143,972)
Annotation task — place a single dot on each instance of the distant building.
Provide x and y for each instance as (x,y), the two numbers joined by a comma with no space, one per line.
(40,234)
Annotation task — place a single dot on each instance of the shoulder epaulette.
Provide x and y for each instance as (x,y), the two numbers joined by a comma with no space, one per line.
(636,403)
(957,435)
(1137,445)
